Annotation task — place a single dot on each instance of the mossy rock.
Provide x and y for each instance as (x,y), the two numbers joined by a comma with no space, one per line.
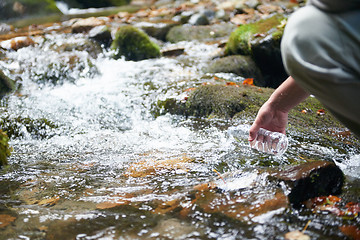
(243,66)
(261,40)
(134,44)
(242,102)
(199,33)
(7,85)
(5,149)
(22,8)
(213,101)
(36,128)
(241,40)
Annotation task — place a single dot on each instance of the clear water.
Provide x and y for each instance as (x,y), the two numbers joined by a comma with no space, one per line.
(104,125)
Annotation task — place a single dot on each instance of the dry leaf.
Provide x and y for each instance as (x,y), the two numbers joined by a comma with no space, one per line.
(49,202)
(231,84)
(150,166)
(6,220)
(296,235)
(107,205)
(248,81)
(320,112)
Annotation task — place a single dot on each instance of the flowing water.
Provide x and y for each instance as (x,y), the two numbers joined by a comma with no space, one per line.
(67,171)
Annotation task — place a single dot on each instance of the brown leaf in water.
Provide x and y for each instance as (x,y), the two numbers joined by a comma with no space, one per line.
(5,220)
(296,235)
(351,231)
(49,202)
(151,166)
(107,205)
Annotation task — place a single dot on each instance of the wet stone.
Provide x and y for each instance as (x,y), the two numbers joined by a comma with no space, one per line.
(101,34)
(85,25)
(309,180)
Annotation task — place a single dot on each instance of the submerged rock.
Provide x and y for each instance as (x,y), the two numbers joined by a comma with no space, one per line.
(134,44)
(4,148)
(261,40)
(7,85)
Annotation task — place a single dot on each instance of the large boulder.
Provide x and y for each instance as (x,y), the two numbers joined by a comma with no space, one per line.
(134,44)
(309,120)
(22,8)
(261,41)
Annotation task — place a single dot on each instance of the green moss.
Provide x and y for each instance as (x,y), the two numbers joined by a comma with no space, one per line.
(240,39)
(134,45)
(36,128)
(5,150)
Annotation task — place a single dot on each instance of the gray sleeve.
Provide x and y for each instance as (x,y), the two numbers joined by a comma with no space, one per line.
(336,5)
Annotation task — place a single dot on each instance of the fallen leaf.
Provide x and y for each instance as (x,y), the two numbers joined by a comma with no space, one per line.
(296,235)
(320,112)
(6,220)
(151,166)
(231,84)
(49,202)
(107,205)
(248,81)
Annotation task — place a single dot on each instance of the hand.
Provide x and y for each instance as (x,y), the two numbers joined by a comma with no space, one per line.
(273,115)
(269,118)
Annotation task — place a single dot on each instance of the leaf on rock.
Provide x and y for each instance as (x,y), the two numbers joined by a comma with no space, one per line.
(49,202)
(248,81)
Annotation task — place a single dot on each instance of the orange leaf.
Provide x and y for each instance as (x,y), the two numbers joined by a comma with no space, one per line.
(320,112)
(6,220)
(231,84)
(107,205)
(189,89)
(248,81)
(49,202)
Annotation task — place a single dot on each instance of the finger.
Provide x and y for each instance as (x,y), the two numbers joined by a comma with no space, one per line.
(253,132)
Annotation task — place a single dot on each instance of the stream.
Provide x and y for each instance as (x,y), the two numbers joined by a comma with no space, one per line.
(77,179)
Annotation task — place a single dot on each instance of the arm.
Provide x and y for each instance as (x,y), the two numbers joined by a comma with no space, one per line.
(273,115)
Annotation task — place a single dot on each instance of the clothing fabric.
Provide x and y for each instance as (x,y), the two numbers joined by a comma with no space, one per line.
(336,5)
(321,51)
